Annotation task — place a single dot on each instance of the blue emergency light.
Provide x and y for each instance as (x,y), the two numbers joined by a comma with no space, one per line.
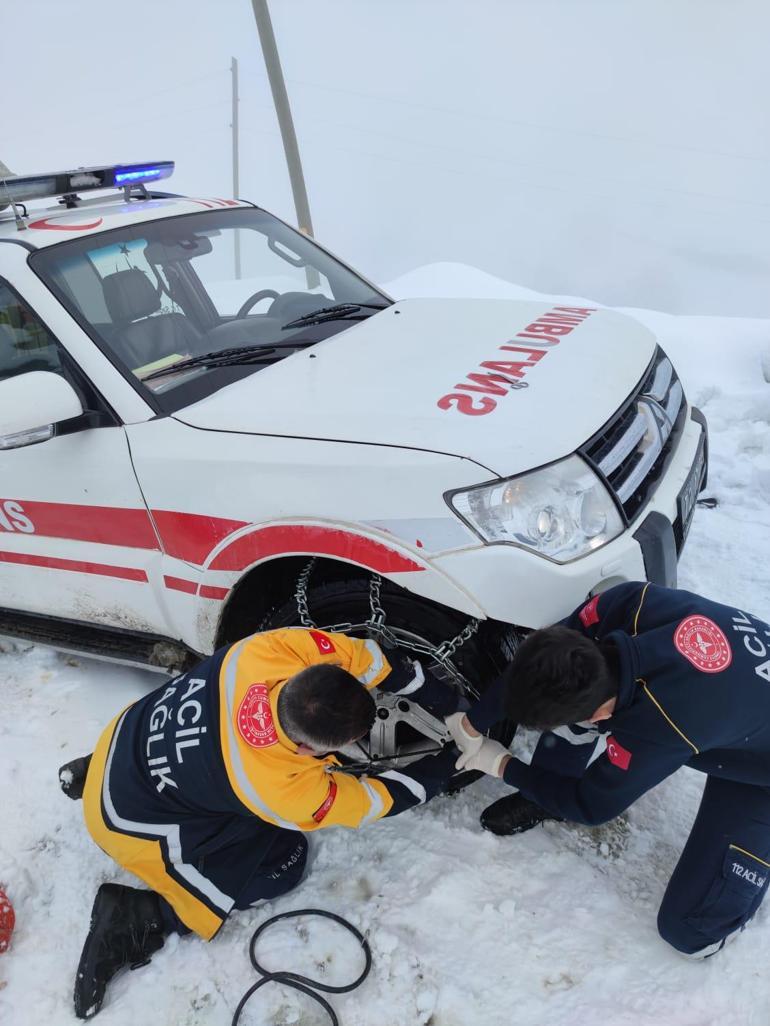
(144,174)
(21,188)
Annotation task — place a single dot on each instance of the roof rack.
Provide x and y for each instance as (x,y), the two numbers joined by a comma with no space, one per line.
(67,184)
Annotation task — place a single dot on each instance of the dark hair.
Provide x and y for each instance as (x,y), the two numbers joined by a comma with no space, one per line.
(557,676)
(325,707)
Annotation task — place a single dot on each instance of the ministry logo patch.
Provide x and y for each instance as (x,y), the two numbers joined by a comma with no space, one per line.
(703,644)
(255,718)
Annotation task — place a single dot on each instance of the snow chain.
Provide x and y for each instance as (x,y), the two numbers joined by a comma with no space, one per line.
(300,594)
(377,628)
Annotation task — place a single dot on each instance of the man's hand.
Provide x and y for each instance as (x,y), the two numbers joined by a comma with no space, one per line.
(460,728)
(489,757)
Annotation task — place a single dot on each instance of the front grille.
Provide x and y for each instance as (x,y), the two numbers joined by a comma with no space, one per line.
(632,450)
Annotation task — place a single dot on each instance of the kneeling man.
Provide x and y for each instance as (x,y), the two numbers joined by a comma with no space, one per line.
(205,788)
(651,679)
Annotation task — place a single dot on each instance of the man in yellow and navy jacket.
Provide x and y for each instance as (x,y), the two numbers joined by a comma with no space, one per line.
(206,787)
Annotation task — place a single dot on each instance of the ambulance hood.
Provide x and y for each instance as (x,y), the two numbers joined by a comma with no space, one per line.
(420,375)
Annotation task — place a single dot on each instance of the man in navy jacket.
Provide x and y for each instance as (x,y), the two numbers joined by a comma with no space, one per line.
(651,679)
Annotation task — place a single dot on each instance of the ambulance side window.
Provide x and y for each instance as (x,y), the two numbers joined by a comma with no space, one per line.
(25,344)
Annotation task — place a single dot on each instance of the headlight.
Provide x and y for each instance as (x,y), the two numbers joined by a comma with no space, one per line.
(562,511)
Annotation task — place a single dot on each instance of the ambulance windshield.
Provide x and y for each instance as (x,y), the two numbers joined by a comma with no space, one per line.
(192,290)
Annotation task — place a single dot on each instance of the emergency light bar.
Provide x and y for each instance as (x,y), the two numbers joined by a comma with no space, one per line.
(20,188)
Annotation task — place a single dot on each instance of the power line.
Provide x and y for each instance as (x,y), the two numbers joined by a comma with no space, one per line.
(560,130)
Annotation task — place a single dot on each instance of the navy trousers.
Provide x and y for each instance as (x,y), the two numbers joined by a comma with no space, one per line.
(236,870)
(724,869)
(723,872)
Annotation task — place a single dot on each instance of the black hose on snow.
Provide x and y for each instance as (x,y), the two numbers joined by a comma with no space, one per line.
(296,980)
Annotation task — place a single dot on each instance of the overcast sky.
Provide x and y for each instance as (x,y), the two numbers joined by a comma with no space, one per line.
(617,149)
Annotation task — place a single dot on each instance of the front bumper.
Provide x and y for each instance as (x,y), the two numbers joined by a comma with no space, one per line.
(516,586)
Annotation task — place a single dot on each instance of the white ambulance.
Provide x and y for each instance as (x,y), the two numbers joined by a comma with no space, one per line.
(211,425)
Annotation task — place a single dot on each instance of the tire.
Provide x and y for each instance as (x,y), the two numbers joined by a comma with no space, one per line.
(479,660)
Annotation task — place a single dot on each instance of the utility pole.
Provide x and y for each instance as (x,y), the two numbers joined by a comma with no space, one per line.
(283,111)
(236,167)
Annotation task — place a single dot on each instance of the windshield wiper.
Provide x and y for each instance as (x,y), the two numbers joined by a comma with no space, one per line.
(332,313)
(232,356)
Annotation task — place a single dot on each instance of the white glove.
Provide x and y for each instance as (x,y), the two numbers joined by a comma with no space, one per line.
(488,758)
(467,743)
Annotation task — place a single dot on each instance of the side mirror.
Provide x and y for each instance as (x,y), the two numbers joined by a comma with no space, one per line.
(32,404)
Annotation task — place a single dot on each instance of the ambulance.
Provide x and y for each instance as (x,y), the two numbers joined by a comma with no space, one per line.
(211,425)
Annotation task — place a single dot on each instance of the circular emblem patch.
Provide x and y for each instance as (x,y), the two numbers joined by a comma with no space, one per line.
(255,718)
(703,643)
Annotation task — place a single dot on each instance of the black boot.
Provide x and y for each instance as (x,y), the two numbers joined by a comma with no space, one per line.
(513,814)
(72,776)
(126,930)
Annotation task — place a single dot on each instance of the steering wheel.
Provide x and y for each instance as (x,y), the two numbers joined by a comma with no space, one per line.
(257,297)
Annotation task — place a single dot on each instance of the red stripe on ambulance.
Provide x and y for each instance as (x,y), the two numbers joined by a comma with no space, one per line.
(105,525)
(186,536)
(191,536)
(44,224)
(321,541)
(126,573)
(179,584)
(191,588)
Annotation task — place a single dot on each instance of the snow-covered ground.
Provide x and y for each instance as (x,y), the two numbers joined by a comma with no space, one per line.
(553,928)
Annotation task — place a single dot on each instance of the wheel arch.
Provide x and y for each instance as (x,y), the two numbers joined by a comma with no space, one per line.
(263,558)
(271,582)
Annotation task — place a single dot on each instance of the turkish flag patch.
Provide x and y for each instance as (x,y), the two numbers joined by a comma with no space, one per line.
(617,754)
(323,644)
(589,614)
(255,718)
(322,810)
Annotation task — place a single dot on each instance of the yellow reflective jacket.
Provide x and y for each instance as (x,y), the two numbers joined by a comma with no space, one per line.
(176,774)
(264,768)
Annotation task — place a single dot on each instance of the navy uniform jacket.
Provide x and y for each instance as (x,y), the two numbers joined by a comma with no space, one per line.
(202,767)
(210,743)
(694,691)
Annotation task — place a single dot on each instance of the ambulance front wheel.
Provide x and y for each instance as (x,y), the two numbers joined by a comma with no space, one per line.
(417,624)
